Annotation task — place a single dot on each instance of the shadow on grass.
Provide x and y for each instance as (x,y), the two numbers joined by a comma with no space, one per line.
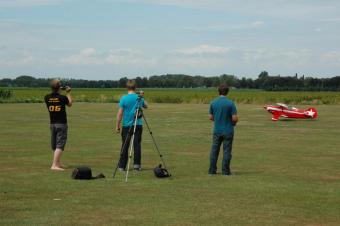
(246,173)
(295,120)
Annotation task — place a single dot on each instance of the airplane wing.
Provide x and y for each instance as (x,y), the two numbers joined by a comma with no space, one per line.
(276,116)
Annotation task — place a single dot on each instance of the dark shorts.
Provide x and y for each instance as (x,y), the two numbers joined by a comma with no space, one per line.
(58,136)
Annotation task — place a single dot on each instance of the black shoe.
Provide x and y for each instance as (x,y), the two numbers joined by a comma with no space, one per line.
(226,174)
(211,173)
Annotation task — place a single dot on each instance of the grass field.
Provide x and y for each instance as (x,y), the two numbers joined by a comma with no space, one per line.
(190,96)
(285,172)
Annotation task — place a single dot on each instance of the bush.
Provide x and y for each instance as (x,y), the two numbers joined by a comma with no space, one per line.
(5,94)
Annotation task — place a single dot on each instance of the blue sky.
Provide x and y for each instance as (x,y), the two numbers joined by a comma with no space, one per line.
(109,39)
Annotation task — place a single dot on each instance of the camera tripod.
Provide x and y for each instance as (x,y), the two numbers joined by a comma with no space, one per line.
(131,134)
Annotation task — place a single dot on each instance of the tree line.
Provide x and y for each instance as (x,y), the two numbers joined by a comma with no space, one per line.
(263,81)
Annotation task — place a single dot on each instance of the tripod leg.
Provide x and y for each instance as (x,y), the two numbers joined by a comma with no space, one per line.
(131,146)
(154,142)
(129,160)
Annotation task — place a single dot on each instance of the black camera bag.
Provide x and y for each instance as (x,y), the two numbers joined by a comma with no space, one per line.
(161,172)
(84,173)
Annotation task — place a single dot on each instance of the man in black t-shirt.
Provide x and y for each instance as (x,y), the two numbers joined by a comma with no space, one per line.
(56,104)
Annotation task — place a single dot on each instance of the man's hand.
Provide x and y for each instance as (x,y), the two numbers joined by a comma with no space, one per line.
(68,89)
(118,128)
(119,119)
(234,119)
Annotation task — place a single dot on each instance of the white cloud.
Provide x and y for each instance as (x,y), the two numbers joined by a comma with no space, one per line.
(257,24)
(194,64)
(123,56)
(247,61)
(206,59)
(203,49)
(85,56)
(88,52)
(14,61)
(332,57)
(91,56)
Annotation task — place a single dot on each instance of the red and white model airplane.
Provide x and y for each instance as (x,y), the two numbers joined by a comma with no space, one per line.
(283,110)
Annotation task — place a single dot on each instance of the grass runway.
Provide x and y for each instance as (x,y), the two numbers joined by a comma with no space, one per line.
(285,172)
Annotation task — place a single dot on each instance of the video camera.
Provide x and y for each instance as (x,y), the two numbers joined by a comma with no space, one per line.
(140,94)
(66,88)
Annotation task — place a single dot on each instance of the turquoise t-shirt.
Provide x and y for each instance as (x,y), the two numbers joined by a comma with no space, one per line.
(222,109)
(130,103)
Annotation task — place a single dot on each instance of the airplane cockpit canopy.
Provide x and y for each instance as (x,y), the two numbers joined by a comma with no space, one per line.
(286,106)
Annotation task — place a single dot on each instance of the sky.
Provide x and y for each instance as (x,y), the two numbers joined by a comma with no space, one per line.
(110,39)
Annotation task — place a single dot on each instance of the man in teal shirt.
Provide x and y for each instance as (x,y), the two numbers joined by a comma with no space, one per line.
(224,115)
(128,106)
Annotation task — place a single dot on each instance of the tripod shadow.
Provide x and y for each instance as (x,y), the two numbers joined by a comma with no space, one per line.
(246,173)
(143,169)
(147,169)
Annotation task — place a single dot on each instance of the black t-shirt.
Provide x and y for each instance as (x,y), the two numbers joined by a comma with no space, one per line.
(56,106)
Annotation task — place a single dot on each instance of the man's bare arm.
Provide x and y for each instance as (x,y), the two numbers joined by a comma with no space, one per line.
(119,119)
(234,119)
(211,117)
(70,100)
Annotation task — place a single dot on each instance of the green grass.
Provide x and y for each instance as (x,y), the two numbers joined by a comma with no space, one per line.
(285,172)
(197,96)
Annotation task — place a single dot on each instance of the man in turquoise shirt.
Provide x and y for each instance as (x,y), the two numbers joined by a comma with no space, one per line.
(224,115)
(128,106)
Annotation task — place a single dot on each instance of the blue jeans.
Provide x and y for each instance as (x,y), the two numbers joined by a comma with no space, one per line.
(218,139)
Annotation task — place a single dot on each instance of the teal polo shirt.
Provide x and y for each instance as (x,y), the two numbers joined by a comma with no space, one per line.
(222,110)
(130,103)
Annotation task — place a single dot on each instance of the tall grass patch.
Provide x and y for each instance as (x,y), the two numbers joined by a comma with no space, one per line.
(193,96)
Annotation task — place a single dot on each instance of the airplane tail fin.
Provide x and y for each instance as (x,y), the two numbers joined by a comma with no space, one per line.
(312,112)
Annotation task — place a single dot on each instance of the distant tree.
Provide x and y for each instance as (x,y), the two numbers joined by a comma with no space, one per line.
(264,81)
(231,80)
(263,75)
(122,82)
(6,82)
(25,81)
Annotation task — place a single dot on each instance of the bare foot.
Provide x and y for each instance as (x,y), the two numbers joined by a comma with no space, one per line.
(57,168)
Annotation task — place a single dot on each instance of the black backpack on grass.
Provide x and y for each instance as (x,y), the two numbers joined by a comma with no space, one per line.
(161,172)
(84,173)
